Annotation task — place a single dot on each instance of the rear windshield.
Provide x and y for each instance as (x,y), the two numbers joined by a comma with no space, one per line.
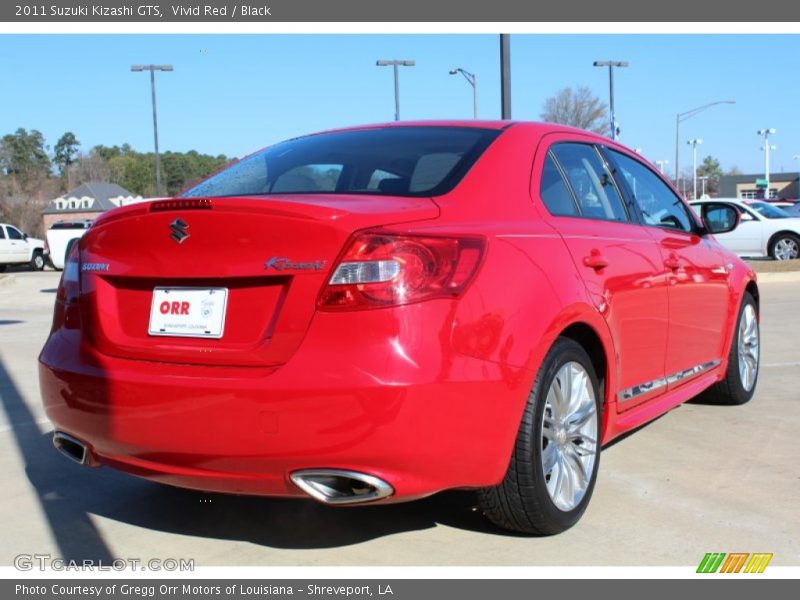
(392,161)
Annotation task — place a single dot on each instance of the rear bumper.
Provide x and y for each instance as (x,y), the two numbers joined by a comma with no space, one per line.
(422,423)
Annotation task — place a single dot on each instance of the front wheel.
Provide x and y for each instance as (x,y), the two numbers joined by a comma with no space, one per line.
(554,466)
(744,357)
(37,261)
(785,247)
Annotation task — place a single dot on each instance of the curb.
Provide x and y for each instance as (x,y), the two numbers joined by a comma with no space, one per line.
(785,277)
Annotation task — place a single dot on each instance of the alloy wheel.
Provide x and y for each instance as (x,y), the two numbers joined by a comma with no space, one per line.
(569,436)
(787,249)
(748,347)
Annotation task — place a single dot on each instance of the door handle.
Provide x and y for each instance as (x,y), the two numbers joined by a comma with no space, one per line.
(672,262)
(595,260)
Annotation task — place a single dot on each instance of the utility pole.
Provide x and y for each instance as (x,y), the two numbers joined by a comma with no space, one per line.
(153,69)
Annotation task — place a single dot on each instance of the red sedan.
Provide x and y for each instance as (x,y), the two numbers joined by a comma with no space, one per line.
(380,313)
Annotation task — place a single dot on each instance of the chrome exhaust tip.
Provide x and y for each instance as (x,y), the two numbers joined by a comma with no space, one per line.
(335,486)
(71,447)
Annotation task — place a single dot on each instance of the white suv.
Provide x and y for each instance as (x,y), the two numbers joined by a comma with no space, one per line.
(16,248)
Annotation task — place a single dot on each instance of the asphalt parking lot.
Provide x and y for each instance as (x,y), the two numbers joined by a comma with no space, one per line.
(701,478)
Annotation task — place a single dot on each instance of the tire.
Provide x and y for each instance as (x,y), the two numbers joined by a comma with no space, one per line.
(37,261)
(2,268)
(785,246)
(735,389)
(522,502)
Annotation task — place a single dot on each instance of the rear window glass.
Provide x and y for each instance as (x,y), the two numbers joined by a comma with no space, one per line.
(404,161)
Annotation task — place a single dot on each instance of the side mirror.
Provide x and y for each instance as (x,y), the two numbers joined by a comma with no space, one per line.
(24,236)
(719,217)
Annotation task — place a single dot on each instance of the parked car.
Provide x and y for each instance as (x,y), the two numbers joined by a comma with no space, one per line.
(765,230)
(60,238)
(17,248)
(380,313)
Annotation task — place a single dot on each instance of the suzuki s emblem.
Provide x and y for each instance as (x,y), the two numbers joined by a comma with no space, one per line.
(179,233)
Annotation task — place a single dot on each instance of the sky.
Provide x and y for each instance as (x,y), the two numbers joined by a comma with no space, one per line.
(233,94)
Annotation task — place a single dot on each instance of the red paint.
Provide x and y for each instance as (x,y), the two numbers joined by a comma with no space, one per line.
(427,394)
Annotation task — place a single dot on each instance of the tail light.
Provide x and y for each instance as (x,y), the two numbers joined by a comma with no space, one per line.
(383,269)
(67,309)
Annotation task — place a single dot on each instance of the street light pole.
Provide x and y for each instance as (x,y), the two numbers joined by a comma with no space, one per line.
(694,143)
(679,118)
(765,133)
(611,64)
(472,79)
(661,164)
(395,64)
(153,69)
(505,76)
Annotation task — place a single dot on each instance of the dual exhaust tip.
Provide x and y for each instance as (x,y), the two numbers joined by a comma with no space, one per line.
(71,447)
(339,487)
(329,486)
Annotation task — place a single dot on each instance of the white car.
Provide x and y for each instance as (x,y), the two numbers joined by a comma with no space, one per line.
(60,238)
(16,248)
(765,230)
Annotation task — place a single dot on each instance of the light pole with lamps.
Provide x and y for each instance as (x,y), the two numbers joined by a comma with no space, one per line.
(694,143)
(661,164)
(472,79)
(153,69)
(765,133)
(680,118)
(395,64)
(611,64)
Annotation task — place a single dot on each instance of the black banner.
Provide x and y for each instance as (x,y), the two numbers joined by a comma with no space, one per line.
(390,589)
(443,11)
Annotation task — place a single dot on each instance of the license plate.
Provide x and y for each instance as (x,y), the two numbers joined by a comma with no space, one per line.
(188,312)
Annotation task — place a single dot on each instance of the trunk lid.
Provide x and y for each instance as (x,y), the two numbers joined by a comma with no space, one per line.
(272,255)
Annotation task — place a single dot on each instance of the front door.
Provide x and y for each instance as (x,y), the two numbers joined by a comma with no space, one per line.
(696,273)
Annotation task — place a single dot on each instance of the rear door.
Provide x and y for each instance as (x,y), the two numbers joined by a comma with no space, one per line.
(696,272)
(619,262)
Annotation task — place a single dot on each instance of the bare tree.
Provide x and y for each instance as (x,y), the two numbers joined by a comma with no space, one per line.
(91,167)
(578,108)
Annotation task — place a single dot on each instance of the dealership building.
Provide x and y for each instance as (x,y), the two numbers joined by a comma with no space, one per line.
(781,185)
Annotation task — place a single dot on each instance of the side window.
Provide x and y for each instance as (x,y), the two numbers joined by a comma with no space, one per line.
(591,182)
(659,205)
(2,232)
(554,191)
(14,233)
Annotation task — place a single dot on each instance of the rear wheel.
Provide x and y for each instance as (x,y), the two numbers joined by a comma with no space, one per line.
(741,377)
(785,247)
(2,268)
(37,260)
(554,466)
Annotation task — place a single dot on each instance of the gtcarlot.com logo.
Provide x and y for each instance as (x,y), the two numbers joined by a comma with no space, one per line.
(29,562)
(735,562)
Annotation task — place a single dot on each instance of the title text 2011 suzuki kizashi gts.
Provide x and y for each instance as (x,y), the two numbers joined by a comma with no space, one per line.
(379,313)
